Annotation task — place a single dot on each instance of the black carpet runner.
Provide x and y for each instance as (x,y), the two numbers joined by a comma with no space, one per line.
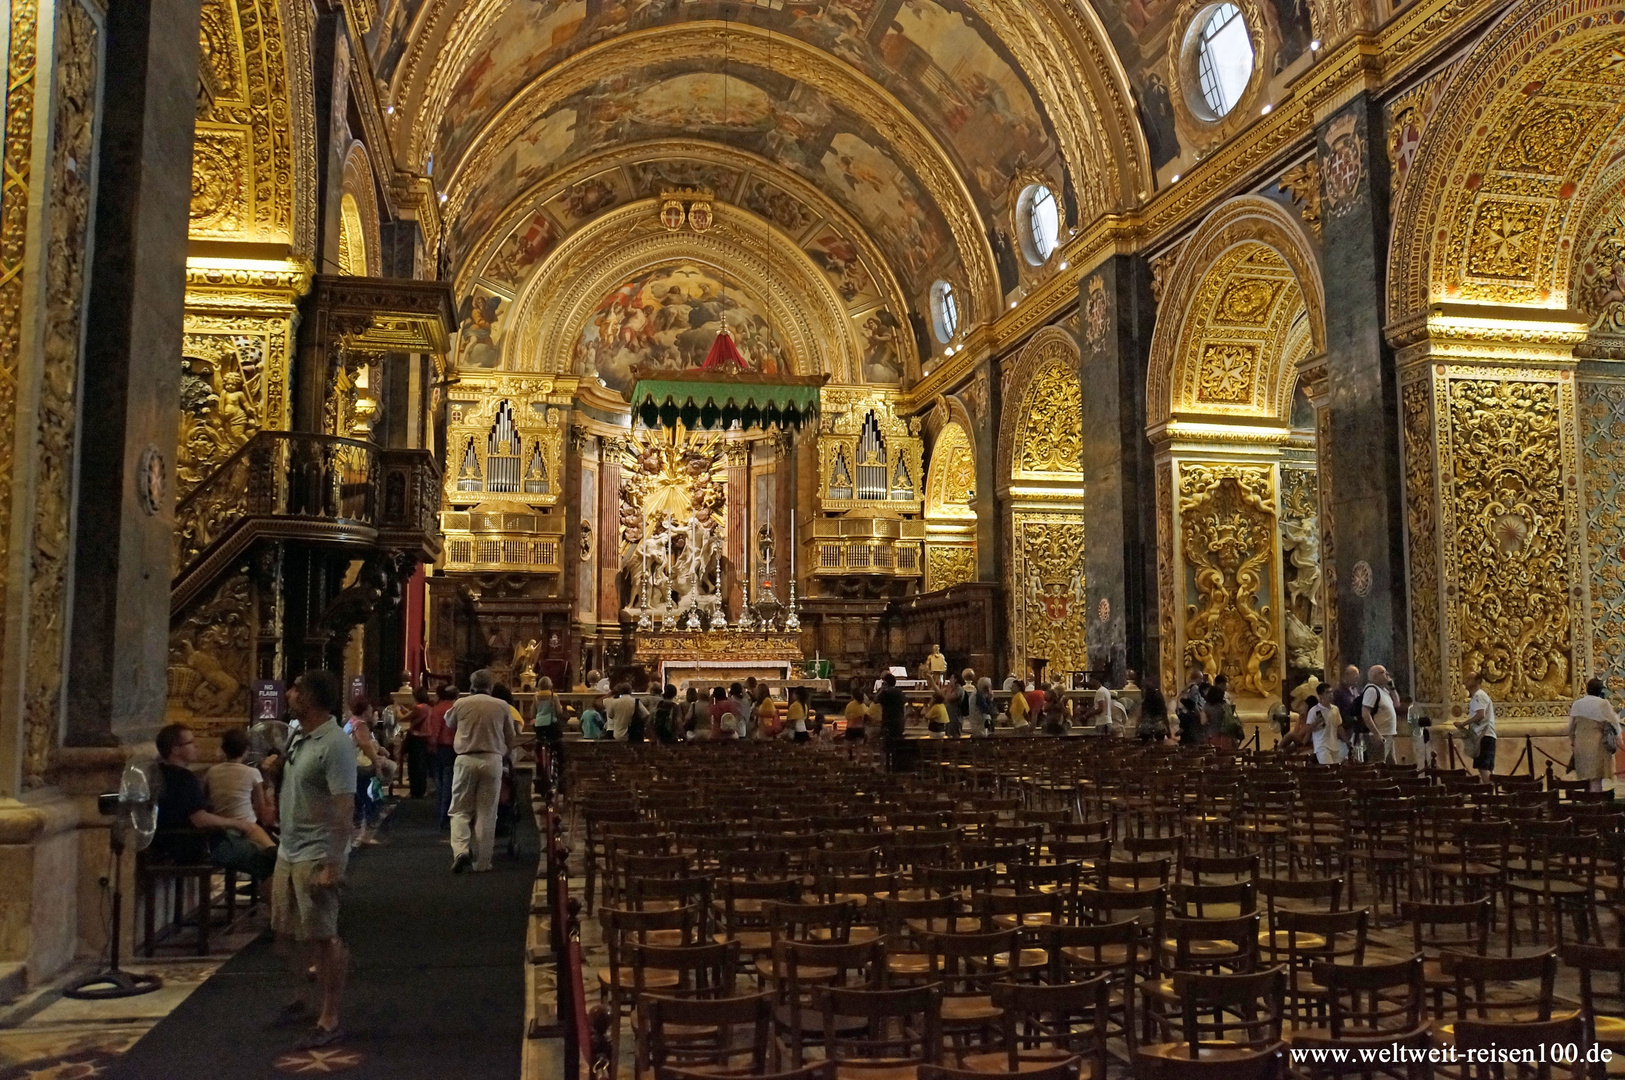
(436,987)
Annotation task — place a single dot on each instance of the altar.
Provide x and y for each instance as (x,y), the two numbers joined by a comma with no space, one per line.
(718,657)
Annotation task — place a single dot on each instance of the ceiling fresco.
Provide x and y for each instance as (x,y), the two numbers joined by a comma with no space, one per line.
(796,127)
(934,55)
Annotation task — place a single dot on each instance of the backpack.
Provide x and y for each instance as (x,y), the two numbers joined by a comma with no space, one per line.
(640,720)
(666,721)
(546,712)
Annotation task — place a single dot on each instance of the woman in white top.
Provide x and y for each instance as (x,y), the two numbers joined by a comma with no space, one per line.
(1588,716)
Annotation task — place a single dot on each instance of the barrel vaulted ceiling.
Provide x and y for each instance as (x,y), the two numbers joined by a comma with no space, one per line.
(899,131)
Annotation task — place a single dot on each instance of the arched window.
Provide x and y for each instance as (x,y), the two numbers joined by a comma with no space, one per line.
(1224,59)
(1039,223)
(944,311)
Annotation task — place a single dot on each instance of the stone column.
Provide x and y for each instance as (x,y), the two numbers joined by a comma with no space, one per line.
(1117,316)
(1359,443)
(609,530)
(93,213)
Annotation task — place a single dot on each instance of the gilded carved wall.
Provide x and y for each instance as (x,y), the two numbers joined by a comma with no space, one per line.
(1050,604)
(950,553)
(1602,431)
(1051,438)
(1301,592)
(69,203)
(1510,553)
(244,156)
(211,655)
(1422,541)
(1228,535)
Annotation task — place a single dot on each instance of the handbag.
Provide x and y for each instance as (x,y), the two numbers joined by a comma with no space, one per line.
(1610,737)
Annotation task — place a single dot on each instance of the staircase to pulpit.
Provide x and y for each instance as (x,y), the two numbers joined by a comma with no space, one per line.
(313,525)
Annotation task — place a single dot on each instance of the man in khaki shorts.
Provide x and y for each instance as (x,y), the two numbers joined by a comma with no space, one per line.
(317,811)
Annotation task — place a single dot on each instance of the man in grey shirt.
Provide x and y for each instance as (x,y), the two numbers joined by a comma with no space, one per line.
(317,812)
(485,728)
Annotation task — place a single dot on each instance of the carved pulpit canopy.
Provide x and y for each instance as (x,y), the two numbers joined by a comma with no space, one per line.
(716,398)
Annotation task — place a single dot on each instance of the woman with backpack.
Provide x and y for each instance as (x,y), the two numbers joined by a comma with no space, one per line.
(667,720)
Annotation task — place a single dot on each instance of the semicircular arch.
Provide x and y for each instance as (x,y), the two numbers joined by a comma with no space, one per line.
(803,309)
(1223,347)
(1041,427)
(500,241)
(359,187)
(950,480)
(1521,129)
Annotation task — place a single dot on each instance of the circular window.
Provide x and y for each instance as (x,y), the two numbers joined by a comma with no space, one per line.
(1038,221)
(944,311)
(1224,59)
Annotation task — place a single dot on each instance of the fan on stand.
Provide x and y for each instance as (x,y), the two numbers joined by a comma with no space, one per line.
(135,820)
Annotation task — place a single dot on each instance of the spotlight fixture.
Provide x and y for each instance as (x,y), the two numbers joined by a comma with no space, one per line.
(1013,304)
(1174,179)
(1265,111)
(389,110)
(1314,46)
(443,196)
(1063,264)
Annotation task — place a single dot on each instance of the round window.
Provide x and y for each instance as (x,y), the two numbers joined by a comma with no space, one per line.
(1039,223)
(1224,59)
(944,311)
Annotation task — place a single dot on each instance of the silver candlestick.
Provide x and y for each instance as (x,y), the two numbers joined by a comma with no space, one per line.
(792,621)
(747,618)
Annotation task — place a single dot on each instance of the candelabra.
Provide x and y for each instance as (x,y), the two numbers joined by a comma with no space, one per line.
(668,621)
(694,622)
(719,617)
(792,621)
(646,621)
(747,616)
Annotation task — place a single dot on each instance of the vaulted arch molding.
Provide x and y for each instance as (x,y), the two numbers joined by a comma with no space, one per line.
(1220,348)
(747,47)
(806,313)
(496,242)
(1060,47)
(360,250)
(1517,136)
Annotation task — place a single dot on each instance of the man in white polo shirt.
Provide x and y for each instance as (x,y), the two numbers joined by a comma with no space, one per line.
(1480,726)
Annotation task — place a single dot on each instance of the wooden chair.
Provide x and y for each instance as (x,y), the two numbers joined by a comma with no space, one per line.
(899,1030)
(1602,1008)
(1314,938)
(625,929)
(1073,1068)
(1518,1040)
(744,915)
(1563,882)
(1474,975)
(964,967)
(1431,935)
(1109,950)
(799,967)
(1222,1014)
(705,971)
(1269,1063)
(1307,894)
(817,1070)
(1204,946)
(694,1033)
(1371,1006)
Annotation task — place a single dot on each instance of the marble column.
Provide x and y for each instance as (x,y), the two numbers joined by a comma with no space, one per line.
(1116,317)
(609,531)
(1358,412)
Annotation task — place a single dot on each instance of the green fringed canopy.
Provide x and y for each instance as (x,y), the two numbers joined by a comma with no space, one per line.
(702,399)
